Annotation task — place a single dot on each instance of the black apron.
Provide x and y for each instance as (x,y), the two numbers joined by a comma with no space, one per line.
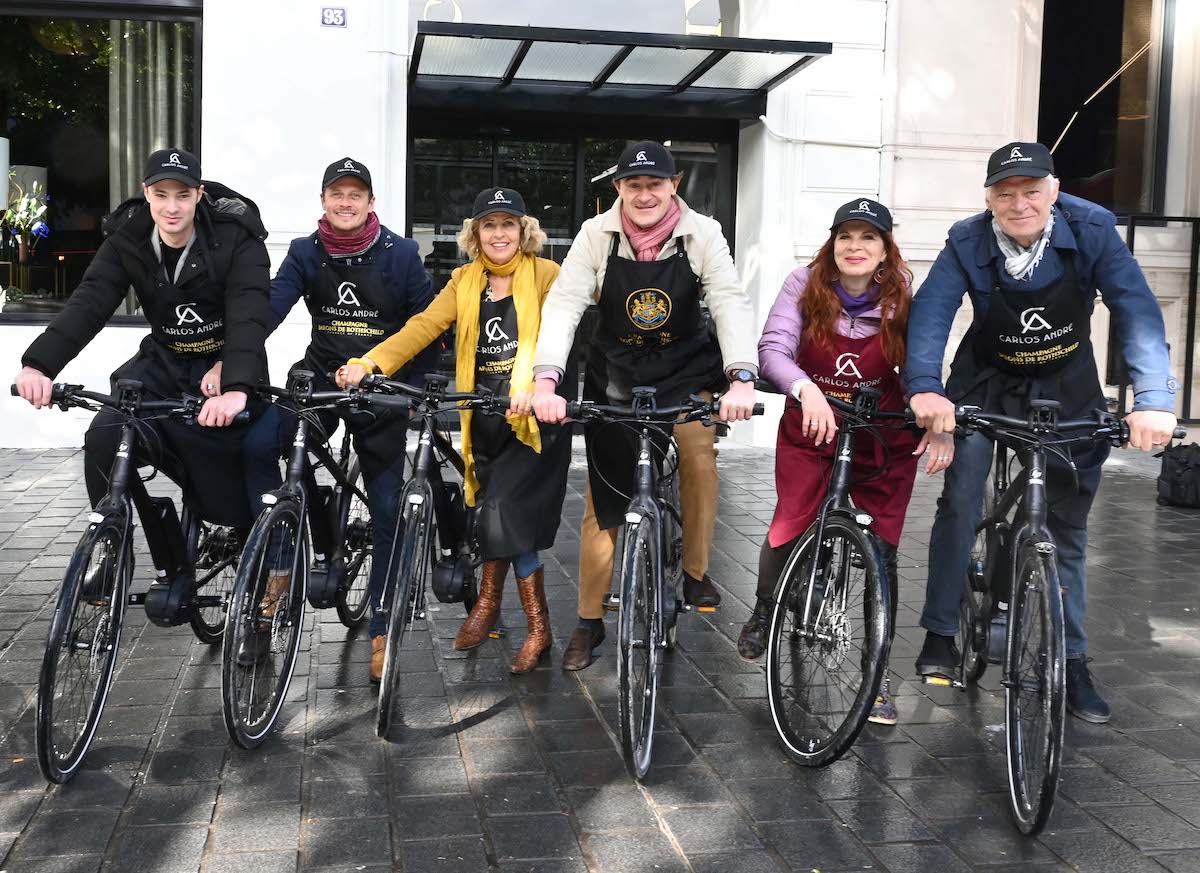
(521,491)
(352,312)
(651,331)
(1035,345)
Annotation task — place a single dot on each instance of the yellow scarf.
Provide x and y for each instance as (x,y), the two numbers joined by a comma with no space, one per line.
(471,283)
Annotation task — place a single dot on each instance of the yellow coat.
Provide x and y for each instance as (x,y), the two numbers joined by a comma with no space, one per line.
(423,328)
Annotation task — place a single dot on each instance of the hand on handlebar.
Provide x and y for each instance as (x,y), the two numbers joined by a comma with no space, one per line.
(350,374)
(1150,430)
(221,411)
(819,421)
(547,405)
(737,404)
(941,451)
(210,385)
(933,412)
(34,386)
(521,403)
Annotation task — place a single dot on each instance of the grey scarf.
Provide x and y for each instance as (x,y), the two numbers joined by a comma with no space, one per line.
(1021,262)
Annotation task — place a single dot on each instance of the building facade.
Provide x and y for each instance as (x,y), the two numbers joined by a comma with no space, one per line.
(911,98)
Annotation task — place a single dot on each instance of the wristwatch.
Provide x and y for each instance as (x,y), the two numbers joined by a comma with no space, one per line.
(741,375)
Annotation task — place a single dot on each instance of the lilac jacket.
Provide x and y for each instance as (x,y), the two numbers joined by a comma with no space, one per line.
(780,342)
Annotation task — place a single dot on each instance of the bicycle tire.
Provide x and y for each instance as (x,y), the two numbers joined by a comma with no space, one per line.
(249,716)
(975,591)
(672,544)
(80,613)
(208,623)
(1035,707)
(836,724)
(638,661)
(353,600)
(411,562)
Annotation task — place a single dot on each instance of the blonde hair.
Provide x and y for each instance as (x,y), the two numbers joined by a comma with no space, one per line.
(532,236)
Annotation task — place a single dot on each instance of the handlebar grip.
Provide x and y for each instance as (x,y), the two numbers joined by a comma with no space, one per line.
(759,409)
(574,409)
(242,417)
(1180,433)
(502,403)
(12,389)
(389,401)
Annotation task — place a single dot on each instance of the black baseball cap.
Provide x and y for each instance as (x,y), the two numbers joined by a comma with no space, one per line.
(347,167)
(498,200)
(864,209)
(646,158)
(177,164)
(1019,159)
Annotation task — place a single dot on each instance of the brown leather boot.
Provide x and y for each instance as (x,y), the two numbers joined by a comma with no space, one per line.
(532,590)
(487,608)
(378,650)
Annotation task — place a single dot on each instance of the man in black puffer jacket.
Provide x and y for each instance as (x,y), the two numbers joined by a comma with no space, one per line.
(194,255)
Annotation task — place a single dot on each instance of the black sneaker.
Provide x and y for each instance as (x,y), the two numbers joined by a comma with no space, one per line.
(1083,700)
(753,640)
(700,592)
(256,644)
(939,657)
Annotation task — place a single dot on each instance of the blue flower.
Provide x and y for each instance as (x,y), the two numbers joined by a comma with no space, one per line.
(40,229)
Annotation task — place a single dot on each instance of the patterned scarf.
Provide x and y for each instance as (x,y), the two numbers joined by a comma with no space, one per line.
(647,242)
(340,245)
(1021,262)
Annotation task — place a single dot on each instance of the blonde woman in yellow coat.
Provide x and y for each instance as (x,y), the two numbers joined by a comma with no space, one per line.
(516,468)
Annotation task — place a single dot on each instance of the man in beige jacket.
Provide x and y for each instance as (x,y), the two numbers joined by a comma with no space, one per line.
(647,263)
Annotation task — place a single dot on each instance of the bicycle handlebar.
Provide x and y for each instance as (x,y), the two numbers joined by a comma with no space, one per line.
(692,411)
(1101,425)
(375,388)
(65,396)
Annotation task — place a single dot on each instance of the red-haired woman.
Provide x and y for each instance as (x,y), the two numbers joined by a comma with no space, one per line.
(839,324)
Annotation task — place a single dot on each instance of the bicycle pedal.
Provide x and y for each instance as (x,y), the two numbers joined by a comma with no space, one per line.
(943,682)
(208,601)
(706,609)
(137,599)
(497,633)
(612,602)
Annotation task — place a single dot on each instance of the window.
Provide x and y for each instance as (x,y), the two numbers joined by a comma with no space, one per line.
(1103,99)
(83,101)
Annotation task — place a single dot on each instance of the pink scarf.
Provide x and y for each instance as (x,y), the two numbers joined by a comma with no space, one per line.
(647,242)
(348,246)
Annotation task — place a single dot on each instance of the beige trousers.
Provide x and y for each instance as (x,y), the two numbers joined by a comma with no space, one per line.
(699,496)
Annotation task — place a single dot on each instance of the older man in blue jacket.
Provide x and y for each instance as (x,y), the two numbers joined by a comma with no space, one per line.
(361,283)
(1031,263)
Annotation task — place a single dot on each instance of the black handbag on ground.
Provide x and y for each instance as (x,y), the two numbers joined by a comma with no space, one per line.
(1179,480)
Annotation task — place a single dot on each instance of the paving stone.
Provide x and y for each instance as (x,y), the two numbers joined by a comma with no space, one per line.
(742,862)
(766,800)
(519,794)
(635,852)
(1099,852)
(422,818)
(429,776)
(533,836)
(445,855)
(83,833)
(706,831)
(808,845)
(175,804)
(182,765)
(271,826)
(346,842)
(493,756)
(921,859)
(990,839)
(611,808)
(357,798)
(173,849)
(881,821)
(258,862)
(1150,827)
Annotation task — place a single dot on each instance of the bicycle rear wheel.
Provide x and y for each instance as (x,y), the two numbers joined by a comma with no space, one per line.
(81,648)
(264,624)
(213,551)
(1035,671)
(354,520)
(411,565)
(823,672)
(638,662)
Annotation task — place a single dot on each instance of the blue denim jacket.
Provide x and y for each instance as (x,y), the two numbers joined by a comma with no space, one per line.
(1102,261)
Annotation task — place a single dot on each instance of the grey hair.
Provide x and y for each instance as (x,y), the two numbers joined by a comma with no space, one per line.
(532,236)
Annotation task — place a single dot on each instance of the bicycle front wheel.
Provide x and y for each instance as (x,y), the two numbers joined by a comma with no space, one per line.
(971,610)
(410,564)
(638,662)
(827,643)
(1035,693)
(263,624)
(81,649)
(354,519)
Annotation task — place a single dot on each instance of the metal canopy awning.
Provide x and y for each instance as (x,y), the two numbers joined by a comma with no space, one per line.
(557,69)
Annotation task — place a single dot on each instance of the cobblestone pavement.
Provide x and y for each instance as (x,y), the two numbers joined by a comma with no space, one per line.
(523,774)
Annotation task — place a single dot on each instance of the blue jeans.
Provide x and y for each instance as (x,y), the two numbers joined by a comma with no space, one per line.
(526,564)
(959,511)
(380,447)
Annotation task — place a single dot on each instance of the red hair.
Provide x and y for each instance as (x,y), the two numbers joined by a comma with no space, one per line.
(821,307)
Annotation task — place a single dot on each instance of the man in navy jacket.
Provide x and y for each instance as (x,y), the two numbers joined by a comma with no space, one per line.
(1031,263)
(361,283)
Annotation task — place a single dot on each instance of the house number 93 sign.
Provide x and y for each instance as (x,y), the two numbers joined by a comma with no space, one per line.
(333,16)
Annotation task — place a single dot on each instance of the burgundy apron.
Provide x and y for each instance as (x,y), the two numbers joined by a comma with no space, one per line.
(802,470)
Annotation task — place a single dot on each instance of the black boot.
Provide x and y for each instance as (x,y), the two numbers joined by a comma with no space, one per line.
(700,592)
(1083,700)
(939,657)
(753,640)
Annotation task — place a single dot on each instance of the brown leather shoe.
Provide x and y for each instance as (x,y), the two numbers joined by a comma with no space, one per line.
(532,590)
(700,592)
(378,649)
(487,608)
(579,650)
(279,583)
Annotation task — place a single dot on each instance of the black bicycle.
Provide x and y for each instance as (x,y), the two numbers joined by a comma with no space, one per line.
(648,564)
(264,623)
(1011,611)
(830,628)
(428,502)
(85,630)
